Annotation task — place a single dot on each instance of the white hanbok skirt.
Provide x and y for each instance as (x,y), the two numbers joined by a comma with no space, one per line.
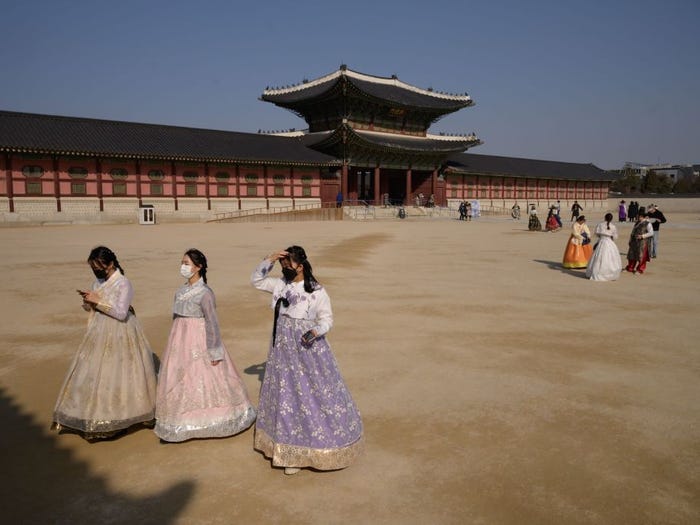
(606,263)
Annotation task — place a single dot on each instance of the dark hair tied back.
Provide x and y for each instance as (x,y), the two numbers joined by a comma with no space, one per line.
(200,260)
(105,256)
(298,255)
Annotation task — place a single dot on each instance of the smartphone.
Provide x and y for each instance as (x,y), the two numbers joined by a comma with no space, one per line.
(308,338)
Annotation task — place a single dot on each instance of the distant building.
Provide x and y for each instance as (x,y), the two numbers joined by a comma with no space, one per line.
(367,137)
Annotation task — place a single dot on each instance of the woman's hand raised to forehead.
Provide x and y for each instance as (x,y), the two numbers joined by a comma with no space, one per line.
(277,256)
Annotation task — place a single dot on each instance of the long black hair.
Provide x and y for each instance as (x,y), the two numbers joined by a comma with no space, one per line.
(298,255)
(608,218)
(104,256)
(200,260)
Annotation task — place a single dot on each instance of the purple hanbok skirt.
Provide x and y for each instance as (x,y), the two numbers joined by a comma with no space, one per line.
(306,415)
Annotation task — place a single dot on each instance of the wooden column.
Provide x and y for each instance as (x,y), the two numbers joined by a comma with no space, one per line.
(407,200)
(173,175)
(265,192)
(237,171)
(291,186)
(377,187)
(9,182)
(344,180)
(206,185)
(56,184)
(98,170)
(138,181)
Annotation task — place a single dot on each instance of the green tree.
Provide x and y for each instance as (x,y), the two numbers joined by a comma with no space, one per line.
(656,183)
(629,182)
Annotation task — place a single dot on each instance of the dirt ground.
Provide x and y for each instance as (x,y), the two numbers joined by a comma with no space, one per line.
(495,386)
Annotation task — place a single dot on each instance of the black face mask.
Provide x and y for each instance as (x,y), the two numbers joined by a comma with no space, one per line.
(100,274)
(289,274)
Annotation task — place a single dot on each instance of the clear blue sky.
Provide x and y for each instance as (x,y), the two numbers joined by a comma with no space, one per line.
(601,81)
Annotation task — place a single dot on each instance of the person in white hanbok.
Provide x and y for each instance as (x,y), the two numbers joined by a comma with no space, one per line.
(111,384)
(606,263)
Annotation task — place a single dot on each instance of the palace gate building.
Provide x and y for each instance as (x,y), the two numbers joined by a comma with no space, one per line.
(366,137)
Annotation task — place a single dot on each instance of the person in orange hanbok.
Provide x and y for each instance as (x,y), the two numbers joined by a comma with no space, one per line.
(578,248)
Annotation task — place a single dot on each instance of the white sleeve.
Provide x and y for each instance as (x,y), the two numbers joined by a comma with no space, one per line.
(261,278)
(324,313)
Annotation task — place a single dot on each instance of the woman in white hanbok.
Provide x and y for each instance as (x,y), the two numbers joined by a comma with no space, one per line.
(111,384)
(606,263)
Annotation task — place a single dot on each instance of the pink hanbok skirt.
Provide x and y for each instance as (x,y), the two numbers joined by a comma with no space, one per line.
(196,399)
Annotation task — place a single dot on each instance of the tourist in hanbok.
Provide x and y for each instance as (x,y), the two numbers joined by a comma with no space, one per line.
(533,223)
(515,211)
(639,249)
(306,415)
(551,224)
(111,384)
(606,263)
(578,249)
(200,392)
(622,211)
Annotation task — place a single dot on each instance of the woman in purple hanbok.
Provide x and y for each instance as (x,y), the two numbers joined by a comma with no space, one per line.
(200,392)
(306,415)
(111,384)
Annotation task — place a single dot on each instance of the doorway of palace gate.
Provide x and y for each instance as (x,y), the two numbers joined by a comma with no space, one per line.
(393,185)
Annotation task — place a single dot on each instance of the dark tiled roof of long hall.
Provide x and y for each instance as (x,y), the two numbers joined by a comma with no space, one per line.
(35,133)
(518,167)
(389,89)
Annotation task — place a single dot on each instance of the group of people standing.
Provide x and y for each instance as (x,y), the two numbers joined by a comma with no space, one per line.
(468,209)
(627,213)
(602,261)
(306,416)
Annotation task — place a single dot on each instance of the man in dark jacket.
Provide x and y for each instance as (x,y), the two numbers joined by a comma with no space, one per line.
(656,218)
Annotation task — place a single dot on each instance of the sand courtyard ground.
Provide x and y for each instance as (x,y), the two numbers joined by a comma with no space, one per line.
(495,386)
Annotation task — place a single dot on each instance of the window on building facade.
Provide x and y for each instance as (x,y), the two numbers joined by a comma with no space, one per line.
(307,180)
(279,190)
(32,184)
(156,186)
(278,179)
(118,175)
(222,178)
(191,183)
(77,185)
(252,185)
(306,191)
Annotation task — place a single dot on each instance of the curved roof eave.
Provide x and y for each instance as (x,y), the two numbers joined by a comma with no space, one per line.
(382,88)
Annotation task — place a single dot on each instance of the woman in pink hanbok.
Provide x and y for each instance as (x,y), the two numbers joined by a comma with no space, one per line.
(200,392)
(111,384)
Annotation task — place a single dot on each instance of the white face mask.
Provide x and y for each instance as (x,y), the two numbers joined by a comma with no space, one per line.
(186,271)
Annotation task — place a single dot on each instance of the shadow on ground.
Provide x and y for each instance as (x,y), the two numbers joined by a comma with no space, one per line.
(44,483)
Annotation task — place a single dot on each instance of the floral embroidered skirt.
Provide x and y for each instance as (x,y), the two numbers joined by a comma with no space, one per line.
(196,399)
(306,415)
(111,384)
